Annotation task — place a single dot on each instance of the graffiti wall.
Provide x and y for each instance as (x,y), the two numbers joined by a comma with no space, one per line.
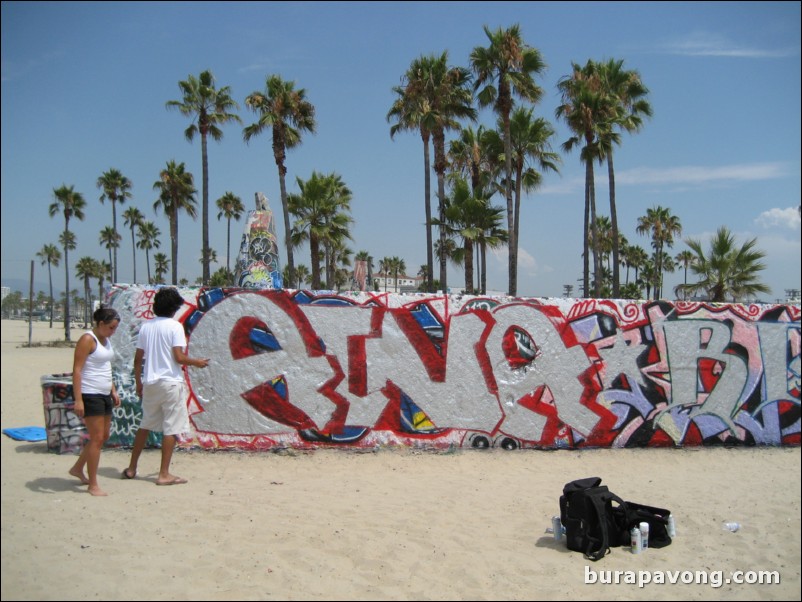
(295,369)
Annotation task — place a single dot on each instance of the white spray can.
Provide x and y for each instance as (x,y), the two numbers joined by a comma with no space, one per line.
(635,542)
(557,528)
(644,534)
(672,529)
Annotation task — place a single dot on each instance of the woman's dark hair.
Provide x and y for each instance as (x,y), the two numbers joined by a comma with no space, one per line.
(166,302)
(105,315)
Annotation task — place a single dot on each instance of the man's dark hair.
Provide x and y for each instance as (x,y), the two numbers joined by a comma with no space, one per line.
(166,302)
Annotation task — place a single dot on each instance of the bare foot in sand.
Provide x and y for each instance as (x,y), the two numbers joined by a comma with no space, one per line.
(79,474)
(97,491)
(171,480)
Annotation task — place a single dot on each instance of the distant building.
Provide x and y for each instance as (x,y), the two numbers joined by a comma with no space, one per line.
(6,290)
(387,283)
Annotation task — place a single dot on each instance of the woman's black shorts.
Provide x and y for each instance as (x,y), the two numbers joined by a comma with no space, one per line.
(97,405)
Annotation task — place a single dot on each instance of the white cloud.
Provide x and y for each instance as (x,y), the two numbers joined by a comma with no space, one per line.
(693,174)
(776,217)
(525,260)
(682,177)
(705,43)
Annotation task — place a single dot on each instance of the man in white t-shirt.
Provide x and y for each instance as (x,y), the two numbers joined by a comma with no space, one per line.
(160,355)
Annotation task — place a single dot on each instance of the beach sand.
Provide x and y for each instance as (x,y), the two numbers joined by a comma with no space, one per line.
(379,525)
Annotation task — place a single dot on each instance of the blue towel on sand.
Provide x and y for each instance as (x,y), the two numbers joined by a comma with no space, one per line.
(27,433)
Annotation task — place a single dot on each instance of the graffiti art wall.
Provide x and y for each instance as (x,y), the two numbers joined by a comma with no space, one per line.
(295,369)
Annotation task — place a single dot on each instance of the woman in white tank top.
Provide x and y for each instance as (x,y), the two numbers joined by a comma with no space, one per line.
(94,393)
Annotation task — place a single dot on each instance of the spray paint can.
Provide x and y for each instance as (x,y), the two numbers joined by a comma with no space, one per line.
(635,542)
(557,528)
(671,527)
(644,534)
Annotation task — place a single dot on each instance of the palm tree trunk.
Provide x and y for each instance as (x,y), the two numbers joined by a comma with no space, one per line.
(228,247)
(147,262)
(484,267)
(658,262)
(427,182)
(66,283)
(441,193)
(594,236)
(512,264)
(174,242)
(114,225)
(314,251)
(586,235)
(614,222)
(440,169)
(133,250)
(86,299)
(468,266)
(516,216)
(205,209)
(50,277)
(288,243)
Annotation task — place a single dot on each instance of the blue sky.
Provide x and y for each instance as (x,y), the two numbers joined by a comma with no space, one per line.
(84,87)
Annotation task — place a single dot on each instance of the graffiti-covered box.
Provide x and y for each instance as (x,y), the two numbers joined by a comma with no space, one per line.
(65,430)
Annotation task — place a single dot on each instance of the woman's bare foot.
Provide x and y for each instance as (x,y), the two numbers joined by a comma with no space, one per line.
(79,474)
(97,491)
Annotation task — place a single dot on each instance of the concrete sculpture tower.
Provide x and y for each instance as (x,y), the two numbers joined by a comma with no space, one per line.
(257,262)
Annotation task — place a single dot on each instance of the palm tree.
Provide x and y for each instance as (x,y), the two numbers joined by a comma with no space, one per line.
(626,92)
(491,236)
(726,270)
(176,192)
(321,209)
(110,239)
(209,108)
(117,189)
(385,267)
(604,232)
(102,272)
(450,98)
(230,206)
(132,218)
(648,276)
(70,204)
(50,255)
(412,111)
(463,213)
(288,114)
(397,266)
(469,157)
(504,69)
(162,264)
(338,267)
(86,268)
(148,234)
(302,272)
(637,258)
(662,225)
(585,109)
(531,154)
(685,258)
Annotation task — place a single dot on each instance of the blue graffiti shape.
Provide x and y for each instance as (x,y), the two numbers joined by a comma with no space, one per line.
(349,434)
(264,340)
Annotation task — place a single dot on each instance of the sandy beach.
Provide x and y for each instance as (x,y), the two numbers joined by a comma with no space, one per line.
(389,524)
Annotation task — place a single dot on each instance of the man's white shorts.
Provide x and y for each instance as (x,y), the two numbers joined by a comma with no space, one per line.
(164,407)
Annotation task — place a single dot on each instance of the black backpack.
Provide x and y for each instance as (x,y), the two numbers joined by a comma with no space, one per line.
(595,519)
(592,523)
